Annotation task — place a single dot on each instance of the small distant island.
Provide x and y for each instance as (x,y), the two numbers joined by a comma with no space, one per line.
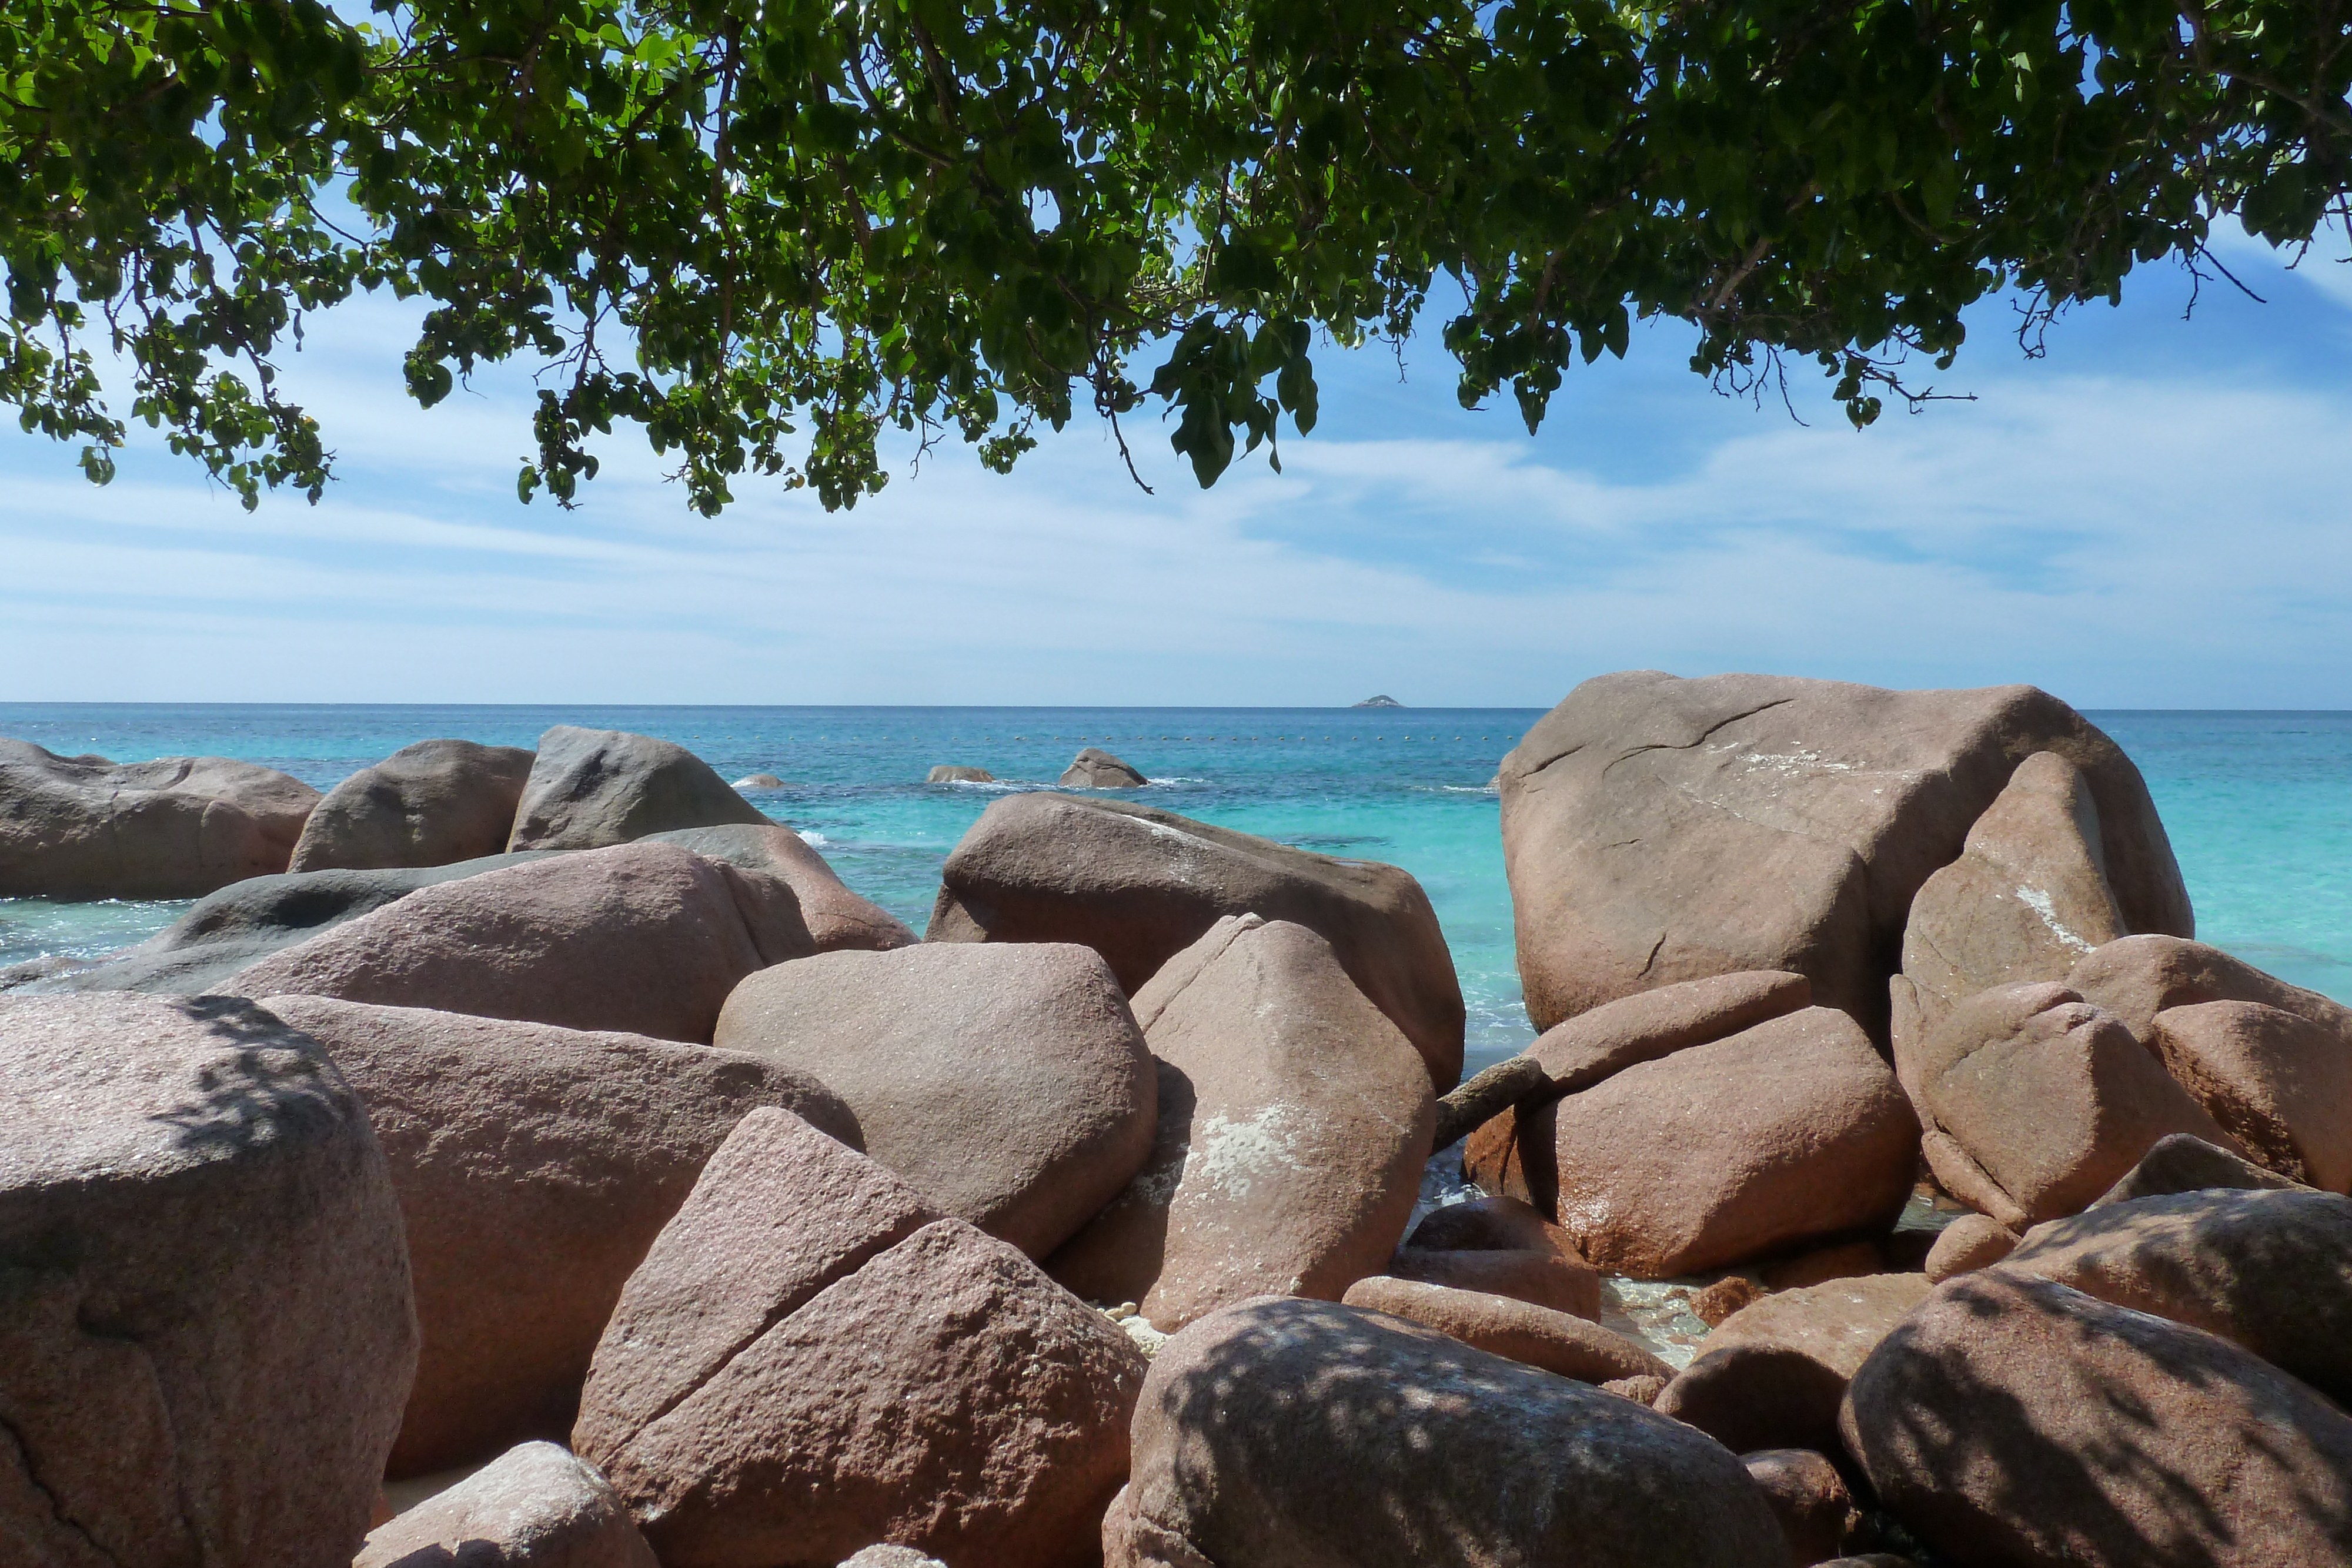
(1378,702)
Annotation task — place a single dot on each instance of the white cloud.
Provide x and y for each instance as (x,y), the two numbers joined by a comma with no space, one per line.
(2163,542)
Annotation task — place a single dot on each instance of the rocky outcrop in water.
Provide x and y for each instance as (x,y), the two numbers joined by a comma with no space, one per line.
(1095,768)
(592,788)
(178,827)
(426,804)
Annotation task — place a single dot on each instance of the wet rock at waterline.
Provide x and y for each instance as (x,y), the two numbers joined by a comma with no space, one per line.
(1095,768)
(956,773)
(178,827)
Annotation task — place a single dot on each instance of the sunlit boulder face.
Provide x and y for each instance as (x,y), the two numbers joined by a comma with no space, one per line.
(178,827)
(428,804)
(1658,829)
(592,788)
(1138,886)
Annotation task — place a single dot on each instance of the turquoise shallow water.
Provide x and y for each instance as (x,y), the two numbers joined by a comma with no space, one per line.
(2259,805)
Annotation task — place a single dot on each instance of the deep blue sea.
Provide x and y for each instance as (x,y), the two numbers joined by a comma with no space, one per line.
(2259,805)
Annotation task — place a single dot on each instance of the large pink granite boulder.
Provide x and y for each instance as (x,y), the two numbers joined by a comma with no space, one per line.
(432,803)
(178,827)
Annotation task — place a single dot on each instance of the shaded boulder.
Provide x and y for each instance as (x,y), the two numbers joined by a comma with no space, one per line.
(1095,768)
(1971,1241)
(1816,1511)
(2268,1271)
(837,919)
(535,1507)
(205,1331)
(2011,1419)
(1658,829)
(2027,900)
(534,1167)
(1138,886)
(1582,1050)
(646,939)
(2180,1163)
(1313,1433)
(2139,977)
(955,773)
(1294,1121)
(758,782)
(592,788)
(178,827)
(1788,1132)
(248,921)
(1561,1281)
(428,804)
(2278,1083)
(807,1364)
(1772,1375)
(2032,1103)
(1009,1084)
(1557,1342)
(1491,1225)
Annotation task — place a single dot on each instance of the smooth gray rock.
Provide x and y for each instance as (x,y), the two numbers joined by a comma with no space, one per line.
(593,788)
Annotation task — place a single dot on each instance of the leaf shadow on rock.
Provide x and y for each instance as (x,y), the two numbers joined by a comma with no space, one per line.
(264,1089)
(2093,1435)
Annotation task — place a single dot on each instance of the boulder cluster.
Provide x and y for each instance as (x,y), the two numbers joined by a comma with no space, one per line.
(551,1145)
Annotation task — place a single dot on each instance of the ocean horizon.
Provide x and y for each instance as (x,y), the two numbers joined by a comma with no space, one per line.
(2257,803)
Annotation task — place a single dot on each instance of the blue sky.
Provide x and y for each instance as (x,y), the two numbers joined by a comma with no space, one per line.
(2155,515)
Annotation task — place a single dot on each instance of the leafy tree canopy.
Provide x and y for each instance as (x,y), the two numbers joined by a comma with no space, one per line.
(768,231)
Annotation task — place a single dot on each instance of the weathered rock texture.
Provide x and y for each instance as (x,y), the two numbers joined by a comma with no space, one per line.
(2270,1270)
(1771,1375)
(1787,1132)
(837,919)
(1971,1241)
(2027,900)
(535,1166)
(2179,1163)
(536,1507)
(426,804)
(1095,768)
(246,921)
(646,939)
(1009,1084)
(2278,1083)
(2012,1419)
(1294,1121)
(1659,830)
(204,1328)
(1313,1434)
(591,787)
(807,1364)
(178,827)
(2139,977)
(1816,1511)
(1556,1341)
(2032,1102)
(956,773)
(1138,886)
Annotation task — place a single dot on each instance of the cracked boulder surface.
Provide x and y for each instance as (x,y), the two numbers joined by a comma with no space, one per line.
(1787,1132)
(534,1167)
(810,1362)
(1140,886)
(2027,900)
(1658,829)
(1294,1123)
(206,1332)
(1008,1083)
(1315,1435)
(646,938)
(2032,1103)
(178,827)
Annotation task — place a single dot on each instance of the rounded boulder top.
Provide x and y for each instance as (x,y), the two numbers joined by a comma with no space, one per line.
(1382,701)
(1095,768)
